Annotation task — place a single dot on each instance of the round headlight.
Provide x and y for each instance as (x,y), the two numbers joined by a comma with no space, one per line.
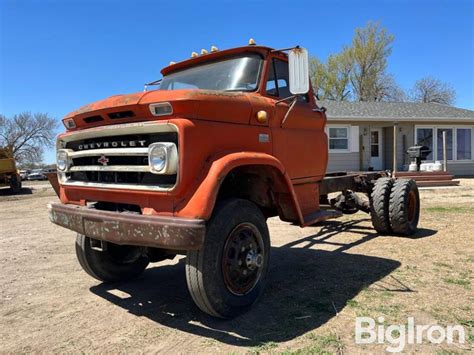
(62,160)
(157,158)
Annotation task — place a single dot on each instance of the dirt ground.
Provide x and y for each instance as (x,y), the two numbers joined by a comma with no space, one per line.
(321,278)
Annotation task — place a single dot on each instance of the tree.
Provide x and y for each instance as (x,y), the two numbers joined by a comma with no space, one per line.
(386,89)
(429,89)
(370,49)
(26,135)
(331,79)
(358,72)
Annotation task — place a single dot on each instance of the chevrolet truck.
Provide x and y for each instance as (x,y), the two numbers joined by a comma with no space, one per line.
(196,166)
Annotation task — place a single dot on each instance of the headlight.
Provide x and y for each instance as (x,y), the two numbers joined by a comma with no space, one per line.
(163,158)
(62,160)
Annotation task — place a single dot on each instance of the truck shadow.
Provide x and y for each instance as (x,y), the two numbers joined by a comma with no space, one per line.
(305,289)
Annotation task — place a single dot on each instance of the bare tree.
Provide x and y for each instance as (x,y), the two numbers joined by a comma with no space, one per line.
(386,89)
(26,135)
(429,89)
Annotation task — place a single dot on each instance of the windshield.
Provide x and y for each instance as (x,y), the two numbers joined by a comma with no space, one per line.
(235,74)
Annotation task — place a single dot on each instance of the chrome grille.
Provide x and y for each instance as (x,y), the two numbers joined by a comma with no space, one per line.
(118,163)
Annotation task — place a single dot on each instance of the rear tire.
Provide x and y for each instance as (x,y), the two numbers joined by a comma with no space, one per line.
(227,275)
(115,263)
(404,207)
(15,184)
(379,205)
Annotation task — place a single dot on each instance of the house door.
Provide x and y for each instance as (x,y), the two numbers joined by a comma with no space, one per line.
(376,151)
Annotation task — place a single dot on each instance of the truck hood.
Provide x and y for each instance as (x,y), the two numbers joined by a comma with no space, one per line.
(232,107)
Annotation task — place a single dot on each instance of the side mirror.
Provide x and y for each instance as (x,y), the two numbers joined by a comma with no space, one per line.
(299,71)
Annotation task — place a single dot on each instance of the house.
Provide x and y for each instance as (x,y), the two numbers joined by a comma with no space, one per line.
(361,135)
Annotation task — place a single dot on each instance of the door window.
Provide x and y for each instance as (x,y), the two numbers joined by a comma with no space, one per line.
(374,144)
(278,79)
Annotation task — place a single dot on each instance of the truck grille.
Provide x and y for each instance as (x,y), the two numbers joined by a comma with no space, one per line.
(116,160)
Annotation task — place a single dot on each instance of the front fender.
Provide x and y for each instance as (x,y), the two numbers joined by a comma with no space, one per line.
(201,203)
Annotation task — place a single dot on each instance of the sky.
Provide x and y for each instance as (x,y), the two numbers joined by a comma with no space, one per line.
(56,56)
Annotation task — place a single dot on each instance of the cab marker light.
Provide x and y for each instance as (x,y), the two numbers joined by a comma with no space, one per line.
(214,49)
(161,109)
(69,123)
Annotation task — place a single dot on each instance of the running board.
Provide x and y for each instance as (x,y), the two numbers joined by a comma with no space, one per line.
(319,216)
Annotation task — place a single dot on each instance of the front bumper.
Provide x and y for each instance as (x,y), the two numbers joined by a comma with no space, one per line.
(129,228)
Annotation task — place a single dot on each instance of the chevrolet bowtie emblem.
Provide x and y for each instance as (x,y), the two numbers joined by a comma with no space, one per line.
(103,160)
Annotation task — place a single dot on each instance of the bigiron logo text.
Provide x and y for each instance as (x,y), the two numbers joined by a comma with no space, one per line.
(113,144)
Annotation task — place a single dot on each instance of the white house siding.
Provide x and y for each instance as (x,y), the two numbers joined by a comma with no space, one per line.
(343,162)
(353,161)
(461,169)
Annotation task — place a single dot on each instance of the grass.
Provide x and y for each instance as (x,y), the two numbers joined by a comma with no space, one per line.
(440,209)
(264,347)
(320,345)
(460,281)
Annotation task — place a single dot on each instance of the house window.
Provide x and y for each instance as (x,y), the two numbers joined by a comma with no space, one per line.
(449,143)
(464,144)
(339,138)
(459,142)
(425,137)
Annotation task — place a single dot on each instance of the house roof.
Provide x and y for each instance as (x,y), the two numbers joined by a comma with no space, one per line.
(394,111)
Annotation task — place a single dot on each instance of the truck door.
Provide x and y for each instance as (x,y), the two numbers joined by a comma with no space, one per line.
(300,142)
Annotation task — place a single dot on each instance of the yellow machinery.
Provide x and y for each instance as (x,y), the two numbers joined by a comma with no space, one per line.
(8,173)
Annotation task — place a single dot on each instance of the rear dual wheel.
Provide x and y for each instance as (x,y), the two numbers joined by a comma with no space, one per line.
(395,206)
(227,275)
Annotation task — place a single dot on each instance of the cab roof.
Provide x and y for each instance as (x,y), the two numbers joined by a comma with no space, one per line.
(211,56)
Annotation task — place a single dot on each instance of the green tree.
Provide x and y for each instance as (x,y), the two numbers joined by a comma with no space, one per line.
(331,80)
(358,72)
(369,51)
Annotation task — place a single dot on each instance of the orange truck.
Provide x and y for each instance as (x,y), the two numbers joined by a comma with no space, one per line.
(195,167)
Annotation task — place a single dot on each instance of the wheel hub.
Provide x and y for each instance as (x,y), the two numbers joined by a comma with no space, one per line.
(253,259)
(243,259)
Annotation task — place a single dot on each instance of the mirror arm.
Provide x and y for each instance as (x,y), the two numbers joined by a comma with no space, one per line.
(285,99)
(320,109)
(293,103)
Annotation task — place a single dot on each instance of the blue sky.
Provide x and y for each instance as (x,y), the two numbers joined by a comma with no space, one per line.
(58,55)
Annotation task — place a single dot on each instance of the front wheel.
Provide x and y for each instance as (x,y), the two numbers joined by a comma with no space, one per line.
(227,275)
(112,262)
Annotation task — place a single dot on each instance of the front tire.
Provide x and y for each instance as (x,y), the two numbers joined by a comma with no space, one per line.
(114,263)
(227,275)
